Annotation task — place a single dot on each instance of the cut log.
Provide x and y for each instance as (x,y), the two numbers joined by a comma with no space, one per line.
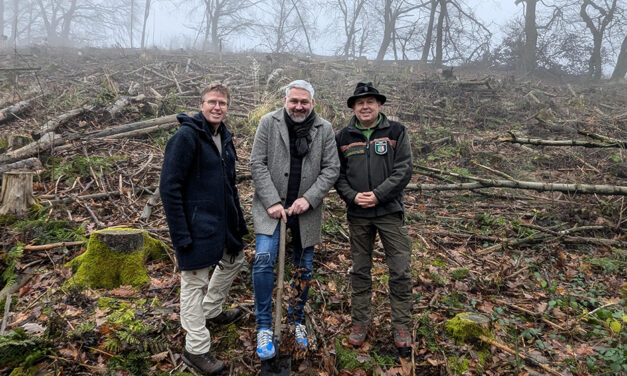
(52,124)
(115,257)
(7,113)
(31,164)
(124,101)
(46,142)
(17,141)
(16,195)
(132,126)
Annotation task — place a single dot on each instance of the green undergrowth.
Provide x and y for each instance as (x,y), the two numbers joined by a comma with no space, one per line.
(350,359)
(19,349)
(80,166)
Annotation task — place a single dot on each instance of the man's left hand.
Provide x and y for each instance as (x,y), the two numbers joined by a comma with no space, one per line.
(299,206)
(366,199)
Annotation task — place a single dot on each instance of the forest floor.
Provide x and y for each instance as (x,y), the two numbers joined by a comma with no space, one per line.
(546,267)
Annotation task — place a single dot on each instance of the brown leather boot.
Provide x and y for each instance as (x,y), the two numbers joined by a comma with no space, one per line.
(203,363)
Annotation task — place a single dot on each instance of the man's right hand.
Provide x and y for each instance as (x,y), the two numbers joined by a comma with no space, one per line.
(277,211)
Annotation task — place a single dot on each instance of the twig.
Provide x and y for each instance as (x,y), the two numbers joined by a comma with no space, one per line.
(518,354)
(51,246)
(531,313)
(603,306)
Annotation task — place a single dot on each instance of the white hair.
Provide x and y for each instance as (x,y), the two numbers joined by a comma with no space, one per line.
(299,84)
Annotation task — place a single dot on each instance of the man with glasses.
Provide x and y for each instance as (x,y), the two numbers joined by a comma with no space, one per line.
(205,220)
(293,164)
(375,158)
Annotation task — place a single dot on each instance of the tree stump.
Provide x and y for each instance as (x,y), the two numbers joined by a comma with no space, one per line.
(468,327)
(115,257)
(16,196)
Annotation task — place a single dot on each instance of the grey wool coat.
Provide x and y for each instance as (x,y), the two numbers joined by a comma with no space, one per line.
(270,167)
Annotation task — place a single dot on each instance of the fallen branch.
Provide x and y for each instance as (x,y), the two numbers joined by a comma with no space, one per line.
(606,139)
(527,358)
(47,141)
(536,186)
(44,247)
(537,141)
(131,127)
(16,108)
(55,122)
(124,101)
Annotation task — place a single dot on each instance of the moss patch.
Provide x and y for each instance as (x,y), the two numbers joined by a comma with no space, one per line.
(101,267)
(458,365)
(467,327)
(349,359)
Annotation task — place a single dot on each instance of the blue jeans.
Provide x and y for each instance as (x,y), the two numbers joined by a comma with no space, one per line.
(263,275)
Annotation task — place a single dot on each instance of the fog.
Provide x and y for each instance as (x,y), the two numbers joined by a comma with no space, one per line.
(524,34)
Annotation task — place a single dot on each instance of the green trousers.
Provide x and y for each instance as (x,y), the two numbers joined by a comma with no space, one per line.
(397,245)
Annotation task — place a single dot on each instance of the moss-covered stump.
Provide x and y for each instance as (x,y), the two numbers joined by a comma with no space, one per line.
(467,327)
(115,257)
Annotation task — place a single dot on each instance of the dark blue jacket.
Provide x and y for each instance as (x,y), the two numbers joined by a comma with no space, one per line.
(199,194)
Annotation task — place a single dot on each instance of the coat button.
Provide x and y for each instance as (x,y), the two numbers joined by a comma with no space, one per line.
(286,174)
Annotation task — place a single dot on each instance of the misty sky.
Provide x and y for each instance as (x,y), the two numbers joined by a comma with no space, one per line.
(167,23)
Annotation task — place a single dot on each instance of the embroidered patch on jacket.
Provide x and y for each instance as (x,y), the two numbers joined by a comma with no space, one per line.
(381,147)
(354,152)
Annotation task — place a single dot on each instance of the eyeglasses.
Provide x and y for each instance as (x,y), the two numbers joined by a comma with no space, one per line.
(213,103)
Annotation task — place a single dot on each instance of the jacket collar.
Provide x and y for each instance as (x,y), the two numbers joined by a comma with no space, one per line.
(385,123)
(200,125)
(279,116)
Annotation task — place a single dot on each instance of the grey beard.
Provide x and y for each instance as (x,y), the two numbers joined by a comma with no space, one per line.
(291,115)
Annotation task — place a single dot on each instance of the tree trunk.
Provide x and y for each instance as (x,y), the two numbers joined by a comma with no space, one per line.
(427,47)
(14,26)
(621,64)
(387,30)
(146,14)
(16,196)
(531,38)
(440,34)
(1,21)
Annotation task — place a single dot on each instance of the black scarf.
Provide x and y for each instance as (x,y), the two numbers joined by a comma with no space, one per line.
(302,132)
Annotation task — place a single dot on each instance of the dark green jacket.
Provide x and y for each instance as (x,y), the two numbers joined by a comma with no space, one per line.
(382,165)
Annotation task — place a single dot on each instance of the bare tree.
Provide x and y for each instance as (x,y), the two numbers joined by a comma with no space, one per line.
(222,18)
(351,12)
(391,12)
(604,15)
(285,26)
(621,63)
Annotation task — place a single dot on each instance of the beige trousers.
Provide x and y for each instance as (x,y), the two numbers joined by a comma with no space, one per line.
(197,306)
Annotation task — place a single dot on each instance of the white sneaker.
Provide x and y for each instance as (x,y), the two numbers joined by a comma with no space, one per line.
(265,347)
(300,332)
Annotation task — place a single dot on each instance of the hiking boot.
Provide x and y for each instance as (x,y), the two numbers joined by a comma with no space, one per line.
(402,341)
(358,335)
(203,363)
(300,332)
(225,317)
(265,347)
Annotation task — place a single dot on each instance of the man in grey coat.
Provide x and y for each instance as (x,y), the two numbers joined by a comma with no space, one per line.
(294,163)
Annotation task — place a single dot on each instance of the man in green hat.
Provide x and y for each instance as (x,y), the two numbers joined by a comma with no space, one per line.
(376,165)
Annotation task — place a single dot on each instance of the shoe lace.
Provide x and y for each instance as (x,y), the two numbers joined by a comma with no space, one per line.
(264,337)
(301,331)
